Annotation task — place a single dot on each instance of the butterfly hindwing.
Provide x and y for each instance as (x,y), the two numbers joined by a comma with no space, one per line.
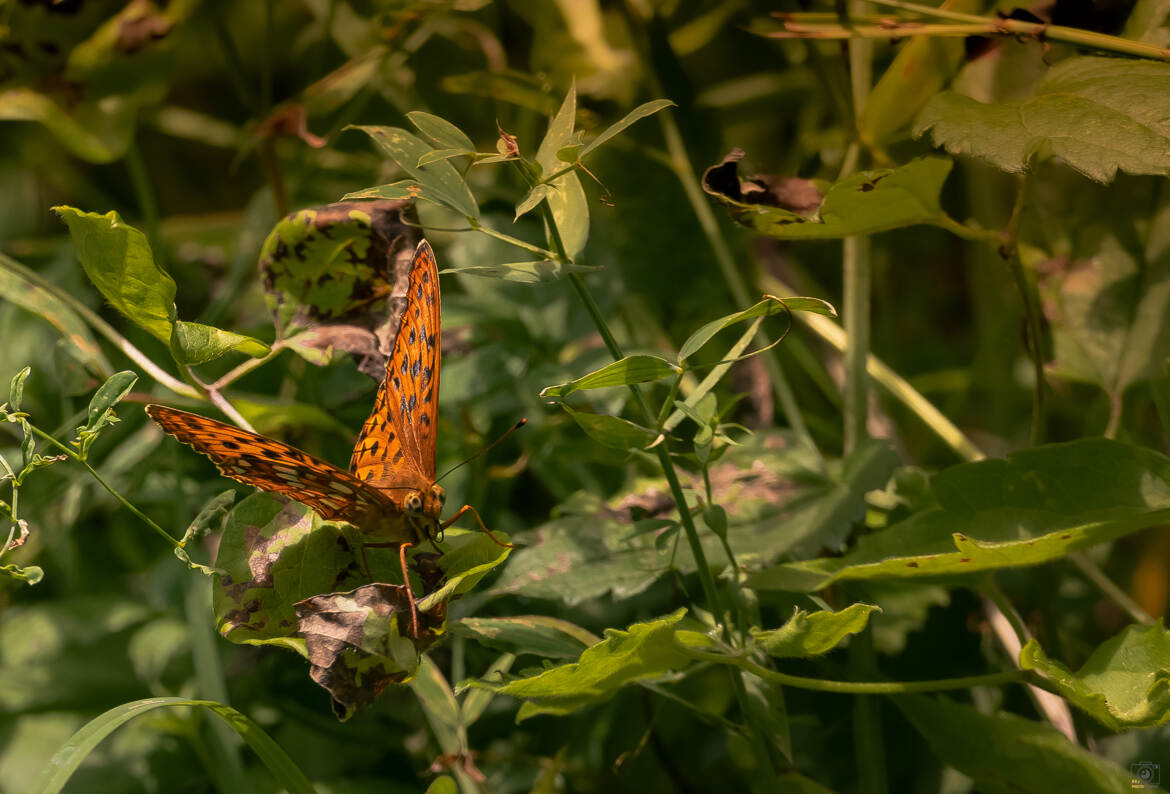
(397,446)
(273,466)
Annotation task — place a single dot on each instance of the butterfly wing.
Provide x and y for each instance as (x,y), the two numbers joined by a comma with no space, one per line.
(273,466)
(397,446)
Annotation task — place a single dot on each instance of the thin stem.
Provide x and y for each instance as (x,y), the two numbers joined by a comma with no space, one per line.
(860,687)
(1041,31)
(245,367)
(490,232)
(1010,250)
(684,171)
(105,329)
(1107,586)
(886,377)
(145,518)
(992,591)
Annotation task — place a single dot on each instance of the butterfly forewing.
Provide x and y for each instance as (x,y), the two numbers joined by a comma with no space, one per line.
(273,466)
(397,446)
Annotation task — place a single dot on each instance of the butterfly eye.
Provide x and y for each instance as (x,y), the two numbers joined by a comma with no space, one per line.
(413,502)
(439,494)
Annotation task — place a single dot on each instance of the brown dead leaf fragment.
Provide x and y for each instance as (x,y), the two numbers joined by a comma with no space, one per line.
(141,25)
(791,193)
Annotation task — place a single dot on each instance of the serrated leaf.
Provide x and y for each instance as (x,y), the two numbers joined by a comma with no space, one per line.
(1099,115)
(1037,505)
(765,308)
(1125,683)
(612,431)
(1006,754)
(643,651)
(439,181)
(534,272)
(118,260)
(637,114)
(811,634)
(867,202)
(445,134)
(195,343)
(631,369)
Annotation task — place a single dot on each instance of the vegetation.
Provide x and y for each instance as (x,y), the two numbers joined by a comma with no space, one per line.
(876,293)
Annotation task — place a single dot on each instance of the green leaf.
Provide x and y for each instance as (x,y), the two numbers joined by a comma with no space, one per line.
(535,195)
(468,557)
(88,132)
(812,634)
(537,634)
(612,431)
(439,181)
(443,785)
(767,307)
(1125,683)
(438,704)
(1006,754)
(445,134)
(631,369)
(195,343)
(109,394)
(867,202)
(642,652)
(523,272)
(210,516)
(67,759)
(638,113)
(16,388)
(714,376)
(17,286)
(402,190)
(118,260)
(1037,505)
(435,155)
(570,208)
(1099,115)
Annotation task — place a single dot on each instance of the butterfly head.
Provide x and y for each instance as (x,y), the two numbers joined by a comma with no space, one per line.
(428,503)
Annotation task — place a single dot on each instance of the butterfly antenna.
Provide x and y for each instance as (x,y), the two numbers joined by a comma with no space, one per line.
(486,449)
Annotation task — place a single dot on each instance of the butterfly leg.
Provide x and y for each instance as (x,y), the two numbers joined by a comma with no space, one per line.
(478,520)
(409,593)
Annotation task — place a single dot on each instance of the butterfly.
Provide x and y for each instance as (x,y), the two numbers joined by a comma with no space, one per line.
(389,492)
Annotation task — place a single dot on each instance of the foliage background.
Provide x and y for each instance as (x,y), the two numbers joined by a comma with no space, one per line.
(171,135)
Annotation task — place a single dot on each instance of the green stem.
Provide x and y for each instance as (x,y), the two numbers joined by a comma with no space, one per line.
(1011,251)
(990,588)
(1041,31)
(701,207)
(1107,586)
(145,518)
(890,380)
(861,687)
(104,328)
(490,232)
(147,203)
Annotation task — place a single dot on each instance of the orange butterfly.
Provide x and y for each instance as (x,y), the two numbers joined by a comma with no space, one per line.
(391,493)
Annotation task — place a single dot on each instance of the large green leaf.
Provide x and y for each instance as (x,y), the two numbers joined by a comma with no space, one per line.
(1099,115)
(1006,754)
(1035,506)
(1125,683)
(118,260)
(864,203)
(644,651)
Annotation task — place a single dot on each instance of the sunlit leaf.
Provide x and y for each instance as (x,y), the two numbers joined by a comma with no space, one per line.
(631,369)
(612,431)
(439,181)
(195,343)
(810,634)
